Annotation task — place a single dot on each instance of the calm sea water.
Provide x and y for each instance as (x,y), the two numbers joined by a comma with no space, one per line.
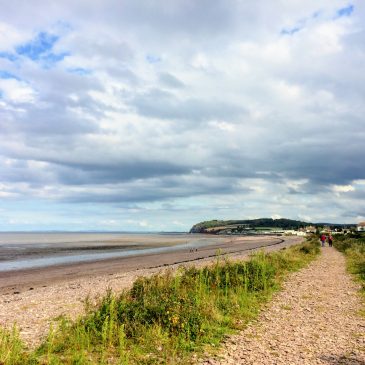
(32,250)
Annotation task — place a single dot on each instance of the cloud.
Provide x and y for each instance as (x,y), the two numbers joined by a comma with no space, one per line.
(76,173)
(180,112)
(162,104)
(170,81)
(343,188)
(16,91)
(9,36)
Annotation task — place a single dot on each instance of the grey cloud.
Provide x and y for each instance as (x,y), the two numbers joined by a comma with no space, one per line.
(354,214)
(86,167)
(181,17)
(112,173)
(160,189)
(171,81)
(106,48)
(123,73)
(164,105)
(63,107)
(43,122)
(20,172)
(328,162)
(205,22)
(357,195)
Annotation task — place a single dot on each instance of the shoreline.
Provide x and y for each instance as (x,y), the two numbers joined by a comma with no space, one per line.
(27,279)
(62,292)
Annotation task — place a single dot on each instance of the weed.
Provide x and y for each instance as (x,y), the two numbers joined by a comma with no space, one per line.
(354,250)
(11,347)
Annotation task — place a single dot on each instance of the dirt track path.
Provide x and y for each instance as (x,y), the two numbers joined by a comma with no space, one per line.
(314,320)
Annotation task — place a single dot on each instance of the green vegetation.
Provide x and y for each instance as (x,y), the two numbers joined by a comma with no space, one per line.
(165,318)
(246,226)
(354,248)
(215,226)
(11,347)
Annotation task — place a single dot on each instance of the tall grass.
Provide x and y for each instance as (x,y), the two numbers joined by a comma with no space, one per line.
(354,249)
(163,319)
(11,347)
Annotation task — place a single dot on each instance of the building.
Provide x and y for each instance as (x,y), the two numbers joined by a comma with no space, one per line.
(310,229)
(361,227)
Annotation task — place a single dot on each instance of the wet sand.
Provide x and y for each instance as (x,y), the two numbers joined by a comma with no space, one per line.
(28,250)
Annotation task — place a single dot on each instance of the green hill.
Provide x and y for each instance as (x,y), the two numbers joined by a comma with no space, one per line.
(217,226)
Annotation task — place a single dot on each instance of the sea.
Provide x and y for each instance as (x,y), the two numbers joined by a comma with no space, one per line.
(28,250)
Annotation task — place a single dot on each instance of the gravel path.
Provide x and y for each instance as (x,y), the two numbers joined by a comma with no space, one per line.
(314,320)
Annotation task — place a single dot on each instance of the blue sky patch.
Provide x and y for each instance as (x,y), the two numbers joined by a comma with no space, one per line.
(34,49)
(7,75)
(9,56)
(40,49)
(53,57)
(347,11)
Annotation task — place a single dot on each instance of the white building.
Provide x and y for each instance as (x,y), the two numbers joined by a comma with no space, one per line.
(361,227)
(310,229)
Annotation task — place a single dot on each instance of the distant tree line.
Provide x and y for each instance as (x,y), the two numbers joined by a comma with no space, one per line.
(204,227)
(215,226)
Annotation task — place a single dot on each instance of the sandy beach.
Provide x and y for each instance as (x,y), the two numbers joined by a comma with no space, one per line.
(35,298)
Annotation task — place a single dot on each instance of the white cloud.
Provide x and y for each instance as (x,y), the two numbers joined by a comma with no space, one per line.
(10,36)
(276,216)
(326,38)
(17,92)
(224,126)
(343,188)
(200,61)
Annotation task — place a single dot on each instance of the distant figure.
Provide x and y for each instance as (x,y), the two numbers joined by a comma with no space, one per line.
(330,240)
(323,239)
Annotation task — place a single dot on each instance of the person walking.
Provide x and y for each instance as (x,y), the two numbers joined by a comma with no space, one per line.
(323,239)
(330,240)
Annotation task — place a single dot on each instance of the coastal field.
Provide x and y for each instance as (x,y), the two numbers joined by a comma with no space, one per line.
(34,309)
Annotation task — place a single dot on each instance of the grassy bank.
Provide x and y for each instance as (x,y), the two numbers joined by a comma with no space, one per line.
(166,318)
(354,249)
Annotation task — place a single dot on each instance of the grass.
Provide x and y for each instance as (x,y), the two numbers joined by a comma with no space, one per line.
(166,318)
(11,347)
(354,249)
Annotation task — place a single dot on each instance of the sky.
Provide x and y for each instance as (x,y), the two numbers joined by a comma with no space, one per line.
(154,115)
